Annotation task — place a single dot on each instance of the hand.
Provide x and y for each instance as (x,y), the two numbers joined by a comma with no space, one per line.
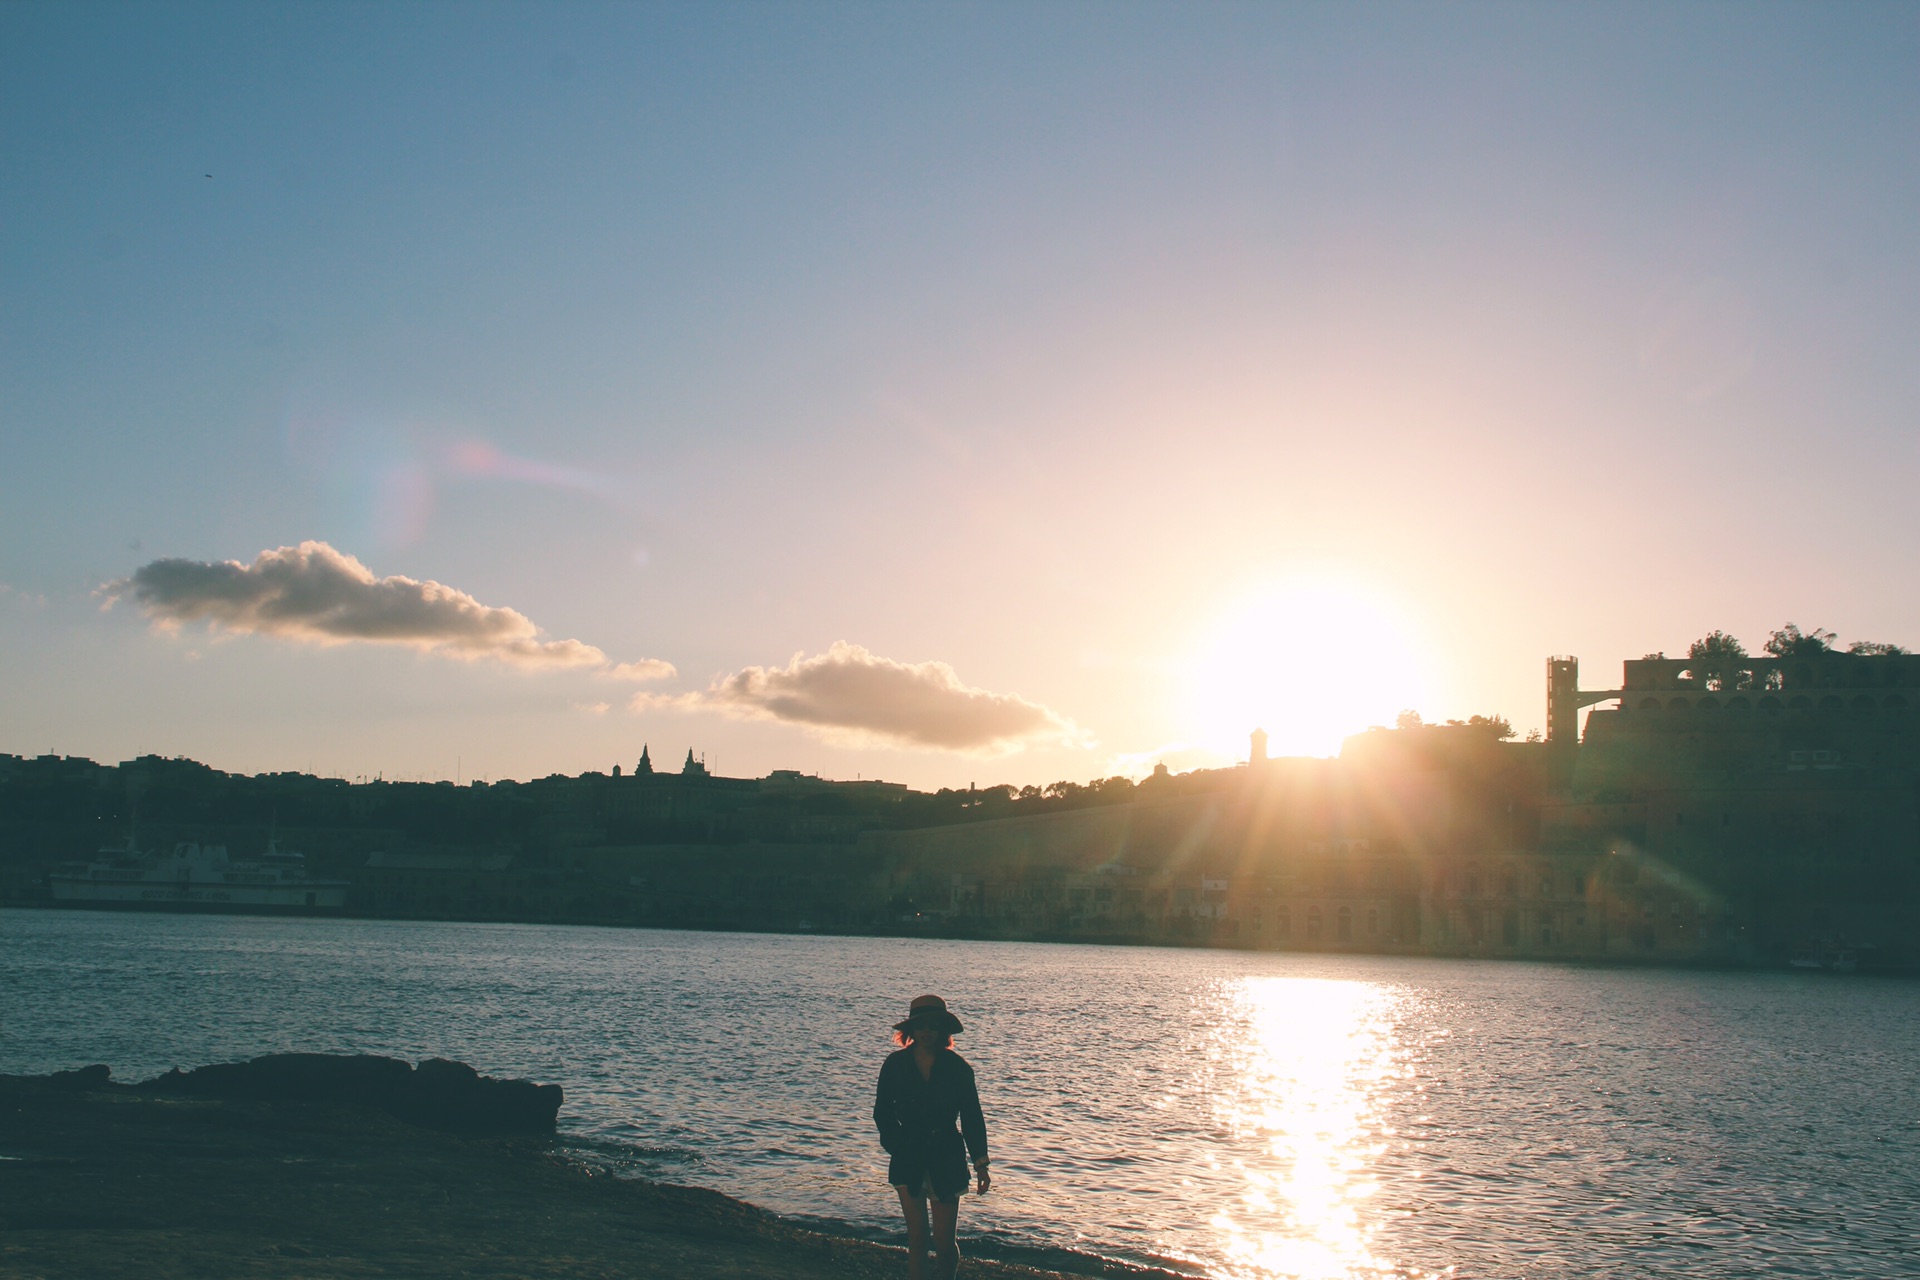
(982,1179)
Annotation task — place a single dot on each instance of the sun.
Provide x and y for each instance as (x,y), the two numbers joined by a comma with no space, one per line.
(1310,660)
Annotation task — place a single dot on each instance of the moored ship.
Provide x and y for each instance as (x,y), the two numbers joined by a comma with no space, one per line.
(196,877)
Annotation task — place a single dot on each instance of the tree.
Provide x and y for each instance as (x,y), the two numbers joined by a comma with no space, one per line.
(1408,720)
(1791,642)
(1715,650)
(1495,725)
(1873,648)
(1716,657)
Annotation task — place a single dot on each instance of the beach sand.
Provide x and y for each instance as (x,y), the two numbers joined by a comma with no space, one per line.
(101,1183)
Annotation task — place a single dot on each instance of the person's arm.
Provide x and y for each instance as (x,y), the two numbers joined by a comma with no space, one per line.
(973,1127)
(886,1116)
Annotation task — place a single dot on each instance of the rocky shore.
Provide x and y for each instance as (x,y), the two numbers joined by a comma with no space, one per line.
(304,1166)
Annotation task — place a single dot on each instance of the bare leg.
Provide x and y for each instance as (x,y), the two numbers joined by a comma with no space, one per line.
(946,1252)
(916,1210)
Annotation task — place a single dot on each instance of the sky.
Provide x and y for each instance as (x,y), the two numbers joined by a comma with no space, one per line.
(943,393)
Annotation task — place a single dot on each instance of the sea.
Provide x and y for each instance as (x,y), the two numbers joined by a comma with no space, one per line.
(1246,1116)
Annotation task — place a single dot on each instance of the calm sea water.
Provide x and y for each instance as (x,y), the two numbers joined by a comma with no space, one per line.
(1241,1115)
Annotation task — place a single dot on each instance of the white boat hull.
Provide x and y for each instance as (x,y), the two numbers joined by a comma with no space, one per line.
(195,878)
(203,897)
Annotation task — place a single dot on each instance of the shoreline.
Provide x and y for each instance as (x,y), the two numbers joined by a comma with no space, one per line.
(100,1179)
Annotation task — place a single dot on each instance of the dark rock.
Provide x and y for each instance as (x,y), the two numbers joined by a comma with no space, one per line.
(97,1076)
(445,1095)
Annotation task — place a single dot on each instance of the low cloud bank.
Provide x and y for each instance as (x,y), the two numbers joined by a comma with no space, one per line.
(849,693)
(320,595)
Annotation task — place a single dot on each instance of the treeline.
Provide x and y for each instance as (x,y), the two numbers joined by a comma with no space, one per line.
(158,798)
(1788,642)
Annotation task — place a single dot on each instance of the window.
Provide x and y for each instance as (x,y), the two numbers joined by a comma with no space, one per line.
(1313,924)
(1343,925)
(1283,922)
(1373,922)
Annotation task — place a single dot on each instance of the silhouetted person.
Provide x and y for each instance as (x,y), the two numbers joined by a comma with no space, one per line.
(925,1088)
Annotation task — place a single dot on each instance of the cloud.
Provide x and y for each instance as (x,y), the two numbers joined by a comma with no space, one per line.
(644,669)
(10,595)
(850,694)
(319,595)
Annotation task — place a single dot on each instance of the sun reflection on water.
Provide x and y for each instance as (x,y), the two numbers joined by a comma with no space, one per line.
(1302,1069)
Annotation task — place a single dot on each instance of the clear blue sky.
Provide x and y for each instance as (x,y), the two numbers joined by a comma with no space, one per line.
(1057,343)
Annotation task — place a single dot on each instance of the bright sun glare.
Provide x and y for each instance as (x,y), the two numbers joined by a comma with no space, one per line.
(1310,661)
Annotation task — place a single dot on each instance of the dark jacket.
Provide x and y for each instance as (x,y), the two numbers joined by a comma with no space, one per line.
(916,1118)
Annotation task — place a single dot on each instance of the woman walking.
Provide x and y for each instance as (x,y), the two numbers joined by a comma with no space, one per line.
(924,1089)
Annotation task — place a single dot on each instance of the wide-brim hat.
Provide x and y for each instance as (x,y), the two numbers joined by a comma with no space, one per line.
(929,1011)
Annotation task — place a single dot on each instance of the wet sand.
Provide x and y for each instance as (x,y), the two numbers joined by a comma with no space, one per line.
(101,1183)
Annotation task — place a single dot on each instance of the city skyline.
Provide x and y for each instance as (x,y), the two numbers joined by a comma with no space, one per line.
(970,394)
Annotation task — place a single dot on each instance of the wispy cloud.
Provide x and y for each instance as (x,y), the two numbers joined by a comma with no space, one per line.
(850,694)
(10,595)
(644,669)
(316,594)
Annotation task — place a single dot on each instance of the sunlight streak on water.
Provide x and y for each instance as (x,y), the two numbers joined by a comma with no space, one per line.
(1304,1071)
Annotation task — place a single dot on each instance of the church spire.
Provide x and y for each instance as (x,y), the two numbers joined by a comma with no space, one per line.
(646,762)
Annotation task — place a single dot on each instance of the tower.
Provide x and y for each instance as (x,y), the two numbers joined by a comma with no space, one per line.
(1563,701)
(645,766)
(1563,719)
(1258,755)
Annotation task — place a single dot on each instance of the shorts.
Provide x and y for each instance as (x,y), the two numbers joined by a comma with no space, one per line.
(926,1191)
